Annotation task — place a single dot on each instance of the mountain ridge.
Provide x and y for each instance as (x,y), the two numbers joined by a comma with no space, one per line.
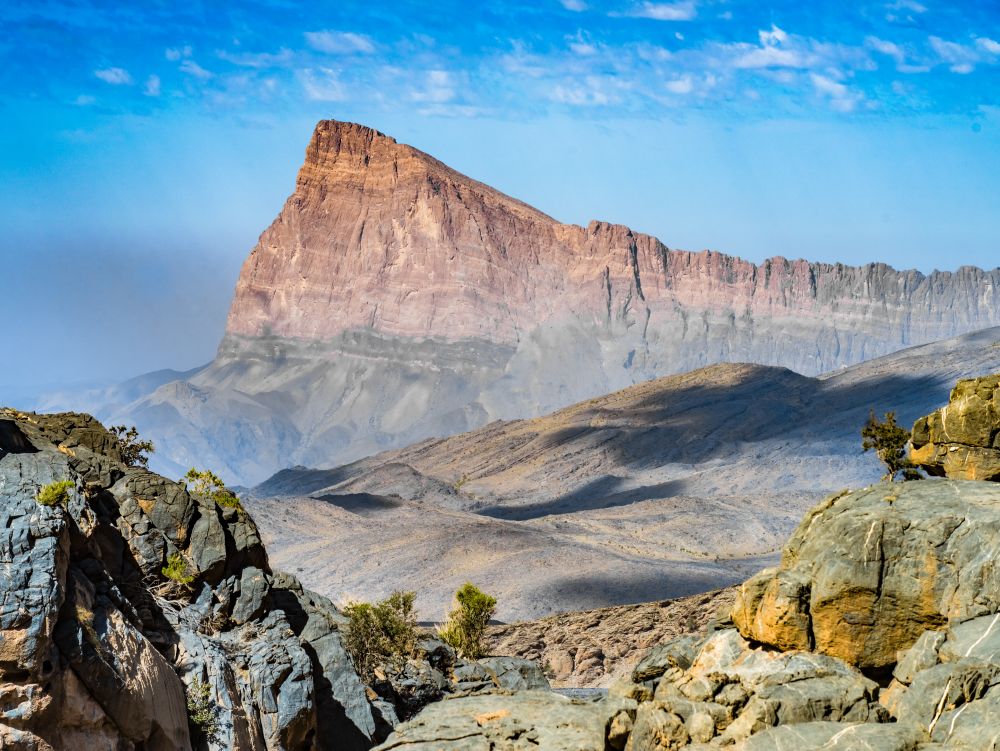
(394,299)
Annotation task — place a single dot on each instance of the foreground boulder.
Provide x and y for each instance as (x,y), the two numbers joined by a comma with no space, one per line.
(962,439)
(866,573)
(137,615)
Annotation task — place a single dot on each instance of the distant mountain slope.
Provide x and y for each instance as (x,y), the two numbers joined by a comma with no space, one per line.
(655,491)
(394,299)
(730,429)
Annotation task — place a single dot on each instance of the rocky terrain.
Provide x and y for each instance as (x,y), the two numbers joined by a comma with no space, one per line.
(962,439)
(879,630)
(593,648)
(668,488)
(394,299)
(136,616)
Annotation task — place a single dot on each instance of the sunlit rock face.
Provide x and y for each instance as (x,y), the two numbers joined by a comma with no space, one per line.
(395,299)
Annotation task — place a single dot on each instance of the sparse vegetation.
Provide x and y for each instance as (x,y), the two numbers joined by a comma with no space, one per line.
(55,493)
(380,633)
(202,720)
(208,483)
(457,485)
(177,570)
(889,442)
(85,618)
(467,623)
(134,450)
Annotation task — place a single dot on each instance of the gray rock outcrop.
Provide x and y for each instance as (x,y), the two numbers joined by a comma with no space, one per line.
(101,648)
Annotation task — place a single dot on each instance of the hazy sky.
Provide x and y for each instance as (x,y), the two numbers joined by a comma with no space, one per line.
(144,148)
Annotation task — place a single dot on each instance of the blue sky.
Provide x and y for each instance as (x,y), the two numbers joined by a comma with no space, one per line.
(145,146)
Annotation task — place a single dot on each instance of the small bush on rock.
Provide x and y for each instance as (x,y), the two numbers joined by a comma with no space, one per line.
(467,623)
(55,493)
(208,483)
(381,633)
(177,569)
(202,720)
(133,450)
(889,441)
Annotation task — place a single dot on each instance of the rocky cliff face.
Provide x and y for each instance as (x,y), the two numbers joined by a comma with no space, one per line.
(100,648)
(395,299)
(381,237)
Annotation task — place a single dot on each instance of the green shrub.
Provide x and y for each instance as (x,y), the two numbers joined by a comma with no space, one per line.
(379,634)
(202,720)
(467,623)
(133,450)
(889,441)
(55,493)
(177,569)
(209,484)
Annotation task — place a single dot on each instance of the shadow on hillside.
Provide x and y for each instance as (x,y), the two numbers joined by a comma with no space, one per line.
(600,493)
(701,423)
(672,581)
(362,504)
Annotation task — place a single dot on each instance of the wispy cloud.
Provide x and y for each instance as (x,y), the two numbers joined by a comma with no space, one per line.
(841,97)
(680,85)
(581,44)
(438,87)
(959,57)
(685,10)
(152,87)
(339,42)
(990,46)
(114,76)
(173,54)
(322,84)
(193,69)
(772,52)
(896,52)
(575,5)
(257,59)
(590,91)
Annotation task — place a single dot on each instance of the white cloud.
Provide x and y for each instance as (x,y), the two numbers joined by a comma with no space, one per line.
(772,52)
(173,54)
(574,5)
(582,45)
(114,76)
(679,11)
(841,97)
(256,60)
(682,85)
(911,5)
(85,100)
(988,45)
(193,69)
(592,91)
(438,88)
(152,87)
(339,42)
(772,38)
(891,49)
(322,84)
(960,58)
